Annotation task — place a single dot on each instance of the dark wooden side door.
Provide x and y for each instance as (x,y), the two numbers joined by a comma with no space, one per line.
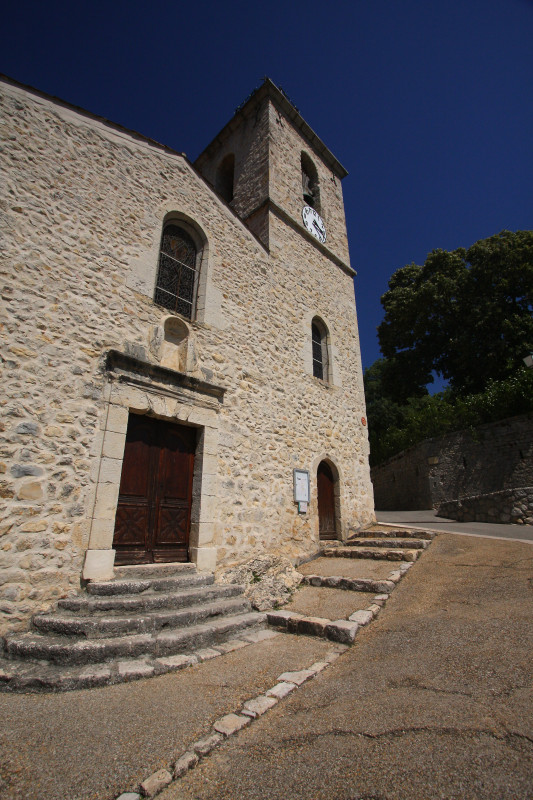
(154,505)
(326,502)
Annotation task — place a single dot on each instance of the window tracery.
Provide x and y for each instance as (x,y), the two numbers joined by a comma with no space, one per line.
(178,271)
(319,340)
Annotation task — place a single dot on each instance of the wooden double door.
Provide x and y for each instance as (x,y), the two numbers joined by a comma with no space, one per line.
(153,517)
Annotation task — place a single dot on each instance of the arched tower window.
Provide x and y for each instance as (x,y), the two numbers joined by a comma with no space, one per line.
(310,187)
(178,271)
(225,176)
(319,338)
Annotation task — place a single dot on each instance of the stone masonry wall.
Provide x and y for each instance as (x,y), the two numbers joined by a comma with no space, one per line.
(268,150)
(250,146)
(286,146)
(81,209)
(402,482)
(494,457)
(510,505)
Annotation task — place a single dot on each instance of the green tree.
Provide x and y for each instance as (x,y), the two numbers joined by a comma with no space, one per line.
(383,408)
(393,427)
(466,315)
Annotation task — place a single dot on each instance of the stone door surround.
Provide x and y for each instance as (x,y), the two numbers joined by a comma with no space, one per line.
(136,386)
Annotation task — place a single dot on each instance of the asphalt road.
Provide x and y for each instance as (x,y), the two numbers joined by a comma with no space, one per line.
(434,700)
(428,520)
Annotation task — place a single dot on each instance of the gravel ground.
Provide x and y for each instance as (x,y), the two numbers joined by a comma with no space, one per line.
(95,744)
(317,601)
(375,569)
(434,701)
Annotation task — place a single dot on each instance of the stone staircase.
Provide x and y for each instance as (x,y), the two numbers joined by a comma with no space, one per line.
(159,618)
(146,621)
(391,544)
(361,591)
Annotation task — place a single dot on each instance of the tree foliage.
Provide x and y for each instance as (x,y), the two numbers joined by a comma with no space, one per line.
(466,315)
(394,427)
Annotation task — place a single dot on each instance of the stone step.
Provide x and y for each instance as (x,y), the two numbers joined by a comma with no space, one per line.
(339,630)
(124,586)
(31,676)
(147,601)
(376,552)
(61,650)
(349,584)
(97,626)
(412,544)
(393,533)
(154,570)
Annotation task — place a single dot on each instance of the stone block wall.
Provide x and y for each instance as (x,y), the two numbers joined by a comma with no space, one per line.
(81,210)
(286,182)
(467,463)
(249,143)
(513,506)
(267,143)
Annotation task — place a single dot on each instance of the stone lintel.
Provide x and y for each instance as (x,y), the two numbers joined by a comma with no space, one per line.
(147,375)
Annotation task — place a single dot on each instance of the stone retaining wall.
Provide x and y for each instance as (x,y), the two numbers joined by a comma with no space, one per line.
(510,505)
(466,463)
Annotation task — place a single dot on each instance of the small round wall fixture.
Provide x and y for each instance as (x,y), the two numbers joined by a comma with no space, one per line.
(314,223)
(363,421)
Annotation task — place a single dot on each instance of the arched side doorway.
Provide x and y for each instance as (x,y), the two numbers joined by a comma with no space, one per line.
(327,501)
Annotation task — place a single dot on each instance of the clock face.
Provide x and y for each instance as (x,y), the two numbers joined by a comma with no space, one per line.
(314,223)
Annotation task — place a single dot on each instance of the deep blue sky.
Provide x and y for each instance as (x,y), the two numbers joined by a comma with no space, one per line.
(427,104)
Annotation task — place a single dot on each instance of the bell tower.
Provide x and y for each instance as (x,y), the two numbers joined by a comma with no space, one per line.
(268,162)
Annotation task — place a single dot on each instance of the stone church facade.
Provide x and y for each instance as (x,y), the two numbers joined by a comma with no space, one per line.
(175,344)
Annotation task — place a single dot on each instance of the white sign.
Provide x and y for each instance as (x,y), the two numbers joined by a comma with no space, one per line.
(301,486)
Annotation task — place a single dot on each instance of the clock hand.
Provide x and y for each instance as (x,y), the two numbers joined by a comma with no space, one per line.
(319,229)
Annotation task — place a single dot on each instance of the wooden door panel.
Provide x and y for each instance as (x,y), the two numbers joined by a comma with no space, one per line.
(175,468)
(136,472)
(172,525)
(138,455)
(132,521)
(131,524)
(154,507)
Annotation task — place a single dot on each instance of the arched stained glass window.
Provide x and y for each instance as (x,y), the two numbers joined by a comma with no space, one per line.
(177,274)
(319,339)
